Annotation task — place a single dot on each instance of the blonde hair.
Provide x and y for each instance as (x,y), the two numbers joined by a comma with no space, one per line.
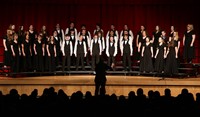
(9,35)
(191,26)
(176,37)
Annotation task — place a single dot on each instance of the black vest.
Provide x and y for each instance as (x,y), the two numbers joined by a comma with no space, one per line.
(73,40)
(126,47)
(67,48)
(95,48)
(80,48)
(59,35)
(111,49)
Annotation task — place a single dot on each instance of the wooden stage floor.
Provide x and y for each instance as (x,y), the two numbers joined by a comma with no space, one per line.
(120,85)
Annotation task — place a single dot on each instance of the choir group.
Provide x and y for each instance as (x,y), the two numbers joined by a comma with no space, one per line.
(41,51)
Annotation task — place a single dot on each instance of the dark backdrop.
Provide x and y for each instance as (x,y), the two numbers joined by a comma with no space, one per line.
(118,12)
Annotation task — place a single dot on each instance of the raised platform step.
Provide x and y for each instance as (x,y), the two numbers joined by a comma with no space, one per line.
(125,73)
(185,70)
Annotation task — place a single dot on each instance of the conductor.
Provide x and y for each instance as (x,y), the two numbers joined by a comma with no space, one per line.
(100,78)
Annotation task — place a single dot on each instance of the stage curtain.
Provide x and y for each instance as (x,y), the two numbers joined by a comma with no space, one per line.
(106,12)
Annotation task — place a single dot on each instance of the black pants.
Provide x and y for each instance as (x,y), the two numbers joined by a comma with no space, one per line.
(95,59)
(68,59)
(100,88)
(87,58)
(80,58)
(126,59)
(111,59)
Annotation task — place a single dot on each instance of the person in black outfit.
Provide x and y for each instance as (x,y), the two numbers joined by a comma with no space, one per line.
(51,51)
(100,78)
(39,54)
(146,64)
(102,39)
(67,52)
(188,44)
(171,67)
(27,53)
(32,38)
(80,52)
(73,39)
(111,51)
(87,39)
(58,43)
(159,56)
(7,41)
(15,47)
(126,51)
(21,38)
(141,42)
(45,39)
(95,50)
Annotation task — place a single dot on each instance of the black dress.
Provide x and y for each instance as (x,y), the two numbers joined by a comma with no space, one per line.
(27,58)
(146,63)
(159,60)
(39,64)
(15,62)
(188,51)
(8,53)
(171,67)
(32,41)
(46,57)
(52,59)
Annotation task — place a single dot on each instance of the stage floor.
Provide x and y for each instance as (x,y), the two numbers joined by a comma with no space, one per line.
(120,85)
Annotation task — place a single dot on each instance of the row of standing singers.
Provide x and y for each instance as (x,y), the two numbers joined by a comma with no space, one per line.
(83,50)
